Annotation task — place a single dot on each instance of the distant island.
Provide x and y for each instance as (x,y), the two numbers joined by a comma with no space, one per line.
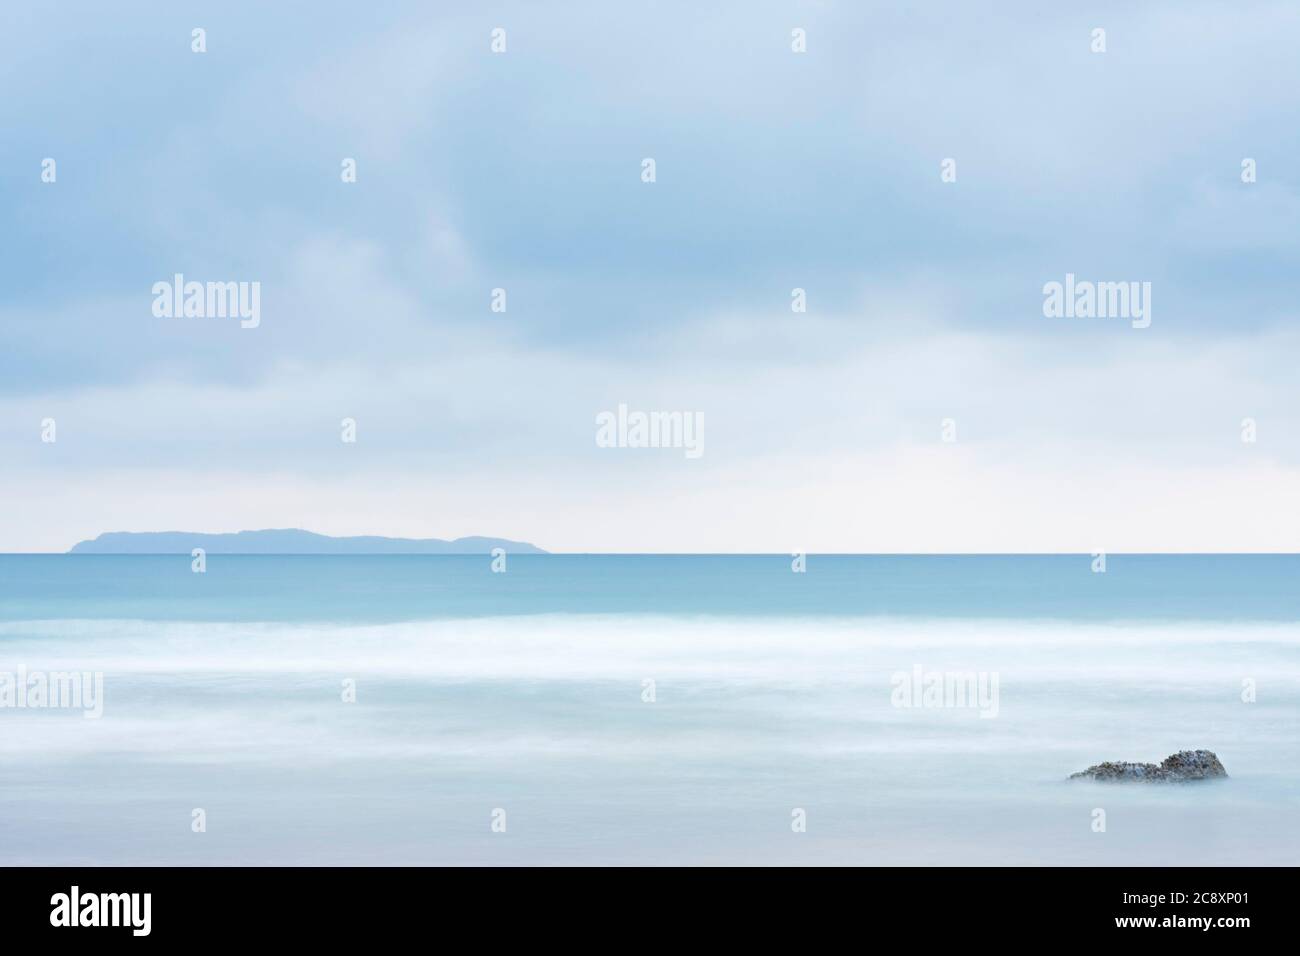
(288,541)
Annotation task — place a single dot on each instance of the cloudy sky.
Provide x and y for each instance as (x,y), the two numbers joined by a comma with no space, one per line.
(775,170)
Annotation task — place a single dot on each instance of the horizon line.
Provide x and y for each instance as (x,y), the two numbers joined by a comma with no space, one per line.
(668,554)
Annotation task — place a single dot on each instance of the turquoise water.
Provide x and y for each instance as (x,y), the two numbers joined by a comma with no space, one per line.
(408,588)
(528,692)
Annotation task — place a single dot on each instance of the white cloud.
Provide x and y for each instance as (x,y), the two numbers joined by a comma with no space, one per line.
(1135,444)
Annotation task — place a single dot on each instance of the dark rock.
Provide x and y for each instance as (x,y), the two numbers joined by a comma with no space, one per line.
(1177,768)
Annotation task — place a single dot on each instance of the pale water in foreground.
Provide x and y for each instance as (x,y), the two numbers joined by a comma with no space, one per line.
(528,692)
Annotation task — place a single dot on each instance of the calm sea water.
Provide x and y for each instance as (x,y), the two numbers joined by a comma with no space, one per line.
(529,692)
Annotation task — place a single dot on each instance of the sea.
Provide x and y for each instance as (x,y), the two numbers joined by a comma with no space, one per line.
(645,709)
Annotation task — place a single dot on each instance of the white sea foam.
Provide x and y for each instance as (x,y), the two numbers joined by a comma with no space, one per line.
(750,717)
(616,647)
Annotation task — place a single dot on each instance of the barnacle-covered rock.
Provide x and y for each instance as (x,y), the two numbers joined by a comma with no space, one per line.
(1176,768)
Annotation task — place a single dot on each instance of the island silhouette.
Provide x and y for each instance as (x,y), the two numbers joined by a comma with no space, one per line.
(288,541)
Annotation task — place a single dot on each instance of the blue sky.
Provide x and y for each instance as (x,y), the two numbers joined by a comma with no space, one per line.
(775,170)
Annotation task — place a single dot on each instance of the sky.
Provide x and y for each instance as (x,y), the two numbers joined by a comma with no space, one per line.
(824,170)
